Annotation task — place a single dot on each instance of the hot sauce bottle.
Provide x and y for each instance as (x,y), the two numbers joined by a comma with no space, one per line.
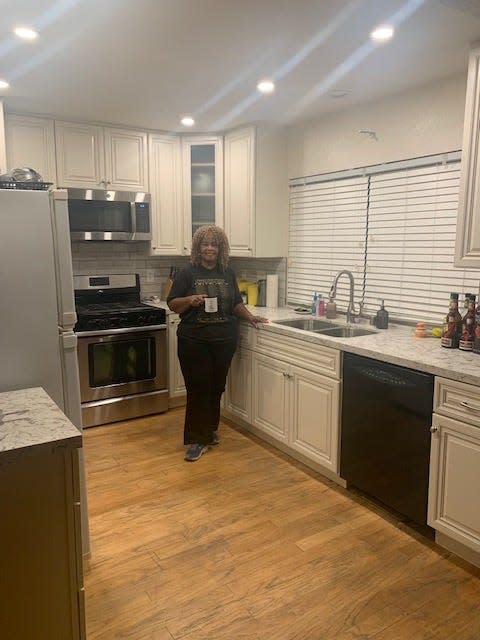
(452,327)
(468,326)
(476,331)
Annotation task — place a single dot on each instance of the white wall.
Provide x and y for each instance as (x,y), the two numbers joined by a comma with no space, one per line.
(419,122)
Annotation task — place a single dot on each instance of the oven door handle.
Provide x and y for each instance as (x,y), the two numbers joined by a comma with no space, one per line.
(109,332)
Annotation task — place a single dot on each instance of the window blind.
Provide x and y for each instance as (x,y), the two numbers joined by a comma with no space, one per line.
(394,229)
(326,234)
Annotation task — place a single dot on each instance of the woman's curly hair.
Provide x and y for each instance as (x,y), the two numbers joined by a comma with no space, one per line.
(218,235)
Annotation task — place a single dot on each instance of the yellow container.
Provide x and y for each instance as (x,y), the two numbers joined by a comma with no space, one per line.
(252,293)
(242,285)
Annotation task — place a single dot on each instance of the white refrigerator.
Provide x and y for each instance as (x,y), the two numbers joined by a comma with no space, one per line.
(37,309)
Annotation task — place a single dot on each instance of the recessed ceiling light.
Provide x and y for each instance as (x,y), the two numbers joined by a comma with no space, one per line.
(338,93)
(4,84)
(266,86)
(26,33)
(187,121)
(382,33)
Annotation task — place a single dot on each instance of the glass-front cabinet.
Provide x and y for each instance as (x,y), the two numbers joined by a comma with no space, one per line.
(203,184)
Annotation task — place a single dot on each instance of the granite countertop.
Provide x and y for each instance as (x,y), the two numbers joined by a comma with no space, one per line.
(29,420)
(397,345)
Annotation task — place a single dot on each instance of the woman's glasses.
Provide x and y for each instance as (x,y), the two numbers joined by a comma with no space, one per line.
(204,245)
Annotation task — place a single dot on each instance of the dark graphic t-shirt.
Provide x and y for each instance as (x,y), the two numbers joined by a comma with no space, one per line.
(198,323)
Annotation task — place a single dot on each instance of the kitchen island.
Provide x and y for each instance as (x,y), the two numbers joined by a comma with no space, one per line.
(41,592)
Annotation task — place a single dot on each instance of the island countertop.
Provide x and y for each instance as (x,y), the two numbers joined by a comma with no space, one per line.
(29,420)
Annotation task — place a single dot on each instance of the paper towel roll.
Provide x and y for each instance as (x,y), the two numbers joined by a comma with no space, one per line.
(272,291)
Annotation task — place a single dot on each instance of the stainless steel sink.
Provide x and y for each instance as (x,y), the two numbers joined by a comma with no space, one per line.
(307,324)
(345,332)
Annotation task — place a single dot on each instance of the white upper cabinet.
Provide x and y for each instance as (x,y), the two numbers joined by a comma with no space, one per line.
(126,159)
(256,191)
(202,185)
(90,156)
(166,190)
(30,142)
(467,253)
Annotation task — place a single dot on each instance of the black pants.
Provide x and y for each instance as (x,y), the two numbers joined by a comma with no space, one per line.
(204,366)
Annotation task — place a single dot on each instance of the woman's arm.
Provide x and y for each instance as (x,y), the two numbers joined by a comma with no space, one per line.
(180,305)
(241,311)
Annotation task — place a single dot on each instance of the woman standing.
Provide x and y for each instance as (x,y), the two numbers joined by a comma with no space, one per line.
(206,296)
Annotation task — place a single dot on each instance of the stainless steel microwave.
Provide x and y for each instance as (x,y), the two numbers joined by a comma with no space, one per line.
(95,214)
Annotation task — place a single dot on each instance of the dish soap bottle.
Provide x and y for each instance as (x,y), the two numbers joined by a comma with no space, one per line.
(320,305)
(314,303)
(381,321)
(331,309)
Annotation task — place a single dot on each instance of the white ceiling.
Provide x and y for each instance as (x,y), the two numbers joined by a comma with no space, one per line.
(145,63)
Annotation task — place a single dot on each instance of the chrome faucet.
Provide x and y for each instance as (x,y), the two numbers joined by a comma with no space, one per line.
(351,304)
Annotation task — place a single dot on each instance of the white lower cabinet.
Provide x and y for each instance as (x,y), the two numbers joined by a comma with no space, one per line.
(238,399)
(314,416)
(289,390)
(298,407)
(454,489)
(176,383)
(270,396)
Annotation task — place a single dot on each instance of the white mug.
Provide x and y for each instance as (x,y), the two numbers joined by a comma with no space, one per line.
(211,305)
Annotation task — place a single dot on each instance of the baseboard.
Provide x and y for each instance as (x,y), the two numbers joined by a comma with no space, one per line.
(457,548)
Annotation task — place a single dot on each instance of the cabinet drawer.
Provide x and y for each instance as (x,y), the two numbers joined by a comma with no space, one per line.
(457,400)
(308,355)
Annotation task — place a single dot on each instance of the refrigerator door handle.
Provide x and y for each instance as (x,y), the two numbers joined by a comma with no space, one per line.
(67,316)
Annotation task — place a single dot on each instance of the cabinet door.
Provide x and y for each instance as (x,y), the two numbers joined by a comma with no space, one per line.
(202,185)
(238,395)
(126,159)
(240,191)
(314,417)
(176,383)
(454,488)
(165,185)
(80,155)
(467,249)
(270,410)
(30,142)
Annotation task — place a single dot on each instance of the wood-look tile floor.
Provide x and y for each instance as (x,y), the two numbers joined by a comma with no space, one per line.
(247,544)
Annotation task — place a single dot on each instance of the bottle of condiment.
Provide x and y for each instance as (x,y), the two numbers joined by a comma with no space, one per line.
(452,327)
(320,305)
(468,326)
(381,321)
(331,309)
(476,336)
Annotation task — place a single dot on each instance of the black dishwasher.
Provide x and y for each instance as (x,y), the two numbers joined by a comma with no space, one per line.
(385,437)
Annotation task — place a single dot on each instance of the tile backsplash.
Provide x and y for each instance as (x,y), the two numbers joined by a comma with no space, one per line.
(90,258)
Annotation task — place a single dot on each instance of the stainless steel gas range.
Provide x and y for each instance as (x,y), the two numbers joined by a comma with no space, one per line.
(122,350)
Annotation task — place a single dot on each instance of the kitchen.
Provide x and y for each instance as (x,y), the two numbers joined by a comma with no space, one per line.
(425,119)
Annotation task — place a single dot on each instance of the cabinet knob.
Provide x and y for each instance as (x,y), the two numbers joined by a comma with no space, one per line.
(433,429)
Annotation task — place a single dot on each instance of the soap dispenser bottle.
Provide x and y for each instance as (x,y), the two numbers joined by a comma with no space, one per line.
(331,309)
(381,320)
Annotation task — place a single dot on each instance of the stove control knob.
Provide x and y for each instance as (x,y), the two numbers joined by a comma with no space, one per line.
(141,320)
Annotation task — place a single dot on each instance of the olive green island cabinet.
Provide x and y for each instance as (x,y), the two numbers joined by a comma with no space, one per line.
(41,578)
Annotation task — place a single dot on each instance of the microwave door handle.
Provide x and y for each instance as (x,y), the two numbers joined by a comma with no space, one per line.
(133,214)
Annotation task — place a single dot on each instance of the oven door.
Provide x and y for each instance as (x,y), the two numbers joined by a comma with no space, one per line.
(121,362)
